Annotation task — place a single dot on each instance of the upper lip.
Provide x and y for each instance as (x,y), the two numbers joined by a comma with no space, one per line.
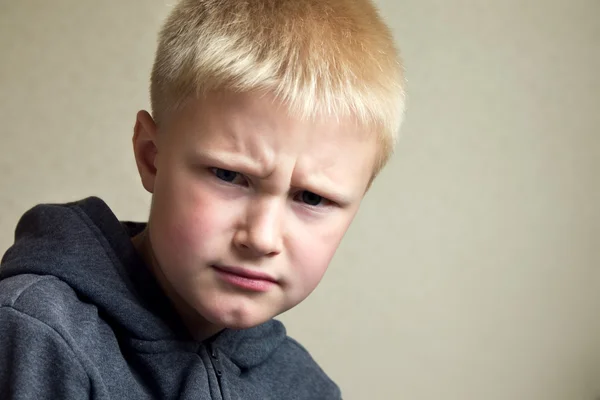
(246,273)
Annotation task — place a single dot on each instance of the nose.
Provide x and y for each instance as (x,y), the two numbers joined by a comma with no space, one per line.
(260,234)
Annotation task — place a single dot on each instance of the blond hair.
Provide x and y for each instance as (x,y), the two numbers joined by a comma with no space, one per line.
(319,57)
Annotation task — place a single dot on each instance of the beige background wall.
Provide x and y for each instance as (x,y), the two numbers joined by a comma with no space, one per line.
(473,271)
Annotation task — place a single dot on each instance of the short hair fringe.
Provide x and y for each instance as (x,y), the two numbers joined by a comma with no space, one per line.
(319,57)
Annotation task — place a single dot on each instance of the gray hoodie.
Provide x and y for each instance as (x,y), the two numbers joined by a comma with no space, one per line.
(82,317)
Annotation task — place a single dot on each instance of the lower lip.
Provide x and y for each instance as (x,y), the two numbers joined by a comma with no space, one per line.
(255,285)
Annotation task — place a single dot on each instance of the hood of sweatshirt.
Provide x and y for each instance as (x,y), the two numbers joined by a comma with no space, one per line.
(85,245)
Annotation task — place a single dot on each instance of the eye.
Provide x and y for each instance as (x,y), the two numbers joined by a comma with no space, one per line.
(310,198)
(227,175)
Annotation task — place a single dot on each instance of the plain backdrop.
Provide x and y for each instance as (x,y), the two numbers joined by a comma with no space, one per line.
(473,269)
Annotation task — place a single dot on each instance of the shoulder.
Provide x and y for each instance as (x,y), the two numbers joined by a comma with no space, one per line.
(31,290)
(34,348)
(46,299)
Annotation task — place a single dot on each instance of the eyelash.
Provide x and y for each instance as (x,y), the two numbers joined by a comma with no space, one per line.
(215,171)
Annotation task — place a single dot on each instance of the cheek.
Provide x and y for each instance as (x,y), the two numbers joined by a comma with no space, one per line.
(187,222)
(311,265)
(312,253)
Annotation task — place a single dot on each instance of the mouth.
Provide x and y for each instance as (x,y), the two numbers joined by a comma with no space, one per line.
(244,278)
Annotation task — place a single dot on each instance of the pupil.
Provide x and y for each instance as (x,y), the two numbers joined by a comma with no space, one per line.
(226,175)
(311,198)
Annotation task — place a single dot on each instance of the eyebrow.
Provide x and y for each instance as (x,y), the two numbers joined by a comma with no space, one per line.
(325,187)
(234,161)
(318,184)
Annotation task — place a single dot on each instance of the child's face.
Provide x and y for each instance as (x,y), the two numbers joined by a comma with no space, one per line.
(249,204)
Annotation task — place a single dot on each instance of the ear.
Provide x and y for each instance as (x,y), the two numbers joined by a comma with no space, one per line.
(145,148)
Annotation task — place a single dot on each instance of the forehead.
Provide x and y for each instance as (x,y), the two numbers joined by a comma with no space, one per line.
(259,127)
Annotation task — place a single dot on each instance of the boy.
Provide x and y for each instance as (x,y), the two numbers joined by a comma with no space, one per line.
(270,118)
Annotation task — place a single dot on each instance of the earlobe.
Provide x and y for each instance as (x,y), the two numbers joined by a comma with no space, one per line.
(145,149)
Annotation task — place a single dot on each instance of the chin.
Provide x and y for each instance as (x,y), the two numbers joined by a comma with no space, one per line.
(241,322)
(239,325)
(236,317)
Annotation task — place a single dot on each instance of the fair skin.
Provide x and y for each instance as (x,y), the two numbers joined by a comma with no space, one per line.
(249,205)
